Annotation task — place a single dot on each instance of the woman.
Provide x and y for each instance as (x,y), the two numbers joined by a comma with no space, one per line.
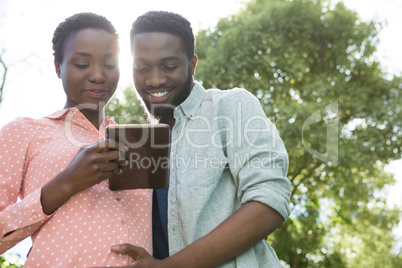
(58,165)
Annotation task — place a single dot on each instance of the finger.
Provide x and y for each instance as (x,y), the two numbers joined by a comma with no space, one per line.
(96,153)
(128,249)
(106,175)
(116,145)
(118,171)
(122,157)
(121,148)
(105,171)
(108,166)
(109,156)
(95,147)
(123,163)
(107,144)
(88,146)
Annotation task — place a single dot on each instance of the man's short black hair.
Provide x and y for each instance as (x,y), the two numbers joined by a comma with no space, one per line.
(166,22)
(75,23)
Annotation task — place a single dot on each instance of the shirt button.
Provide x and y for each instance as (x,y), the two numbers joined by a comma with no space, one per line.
(34,216)
(123,222)
(118,199)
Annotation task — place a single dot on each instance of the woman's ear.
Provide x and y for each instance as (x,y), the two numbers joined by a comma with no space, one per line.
(57,67)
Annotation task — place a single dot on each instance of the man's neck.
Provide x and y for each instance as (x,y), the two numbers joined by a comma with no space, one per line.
(168,120)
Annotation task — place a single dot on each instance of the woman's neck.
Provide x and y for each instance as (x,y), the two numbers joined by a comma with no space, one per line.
(95,117)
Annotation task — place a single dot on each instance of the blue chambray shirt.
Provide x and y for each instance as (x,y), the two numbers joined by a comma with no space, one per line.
(224,153)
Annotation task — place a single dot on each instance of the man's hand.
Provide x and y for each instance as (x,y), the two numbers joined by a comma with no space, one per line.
(141,256)
(220,245)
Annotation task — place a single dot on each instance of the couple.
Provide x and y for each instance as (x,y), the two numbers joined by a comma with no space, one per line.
(210,215)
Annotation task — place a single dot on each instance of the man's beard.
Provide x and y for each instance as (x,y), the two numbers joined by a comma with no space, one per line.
(163,113)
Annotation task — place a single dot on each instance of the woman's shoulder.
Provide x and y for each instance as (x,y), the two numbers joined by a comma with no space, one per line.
(19,122)
(20,126)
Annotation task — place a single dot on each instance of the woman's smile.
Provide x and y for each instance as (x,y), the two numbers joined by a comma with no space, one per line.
(96,93)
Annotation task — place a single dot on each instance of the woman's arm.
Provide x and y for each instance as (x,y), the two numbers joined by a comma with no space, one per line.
(90,166)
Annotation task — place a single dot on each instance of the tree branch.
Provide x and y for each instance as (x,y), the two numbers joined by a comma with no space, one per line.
(3,81)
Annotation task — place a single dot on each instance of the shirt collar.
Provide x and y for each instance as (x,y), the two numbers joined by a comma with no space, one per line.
(61,113)
(194,100)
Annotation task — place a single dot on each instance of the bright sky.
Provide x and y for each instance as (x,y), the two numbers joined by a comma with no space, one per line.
(26,28)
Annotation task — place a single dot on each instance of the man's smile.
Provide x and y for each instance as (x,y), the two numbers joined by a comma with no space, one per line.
(159,94)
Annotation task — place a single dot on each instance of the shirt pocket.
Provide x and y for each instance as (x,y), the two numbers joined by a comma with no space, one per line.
(201,167)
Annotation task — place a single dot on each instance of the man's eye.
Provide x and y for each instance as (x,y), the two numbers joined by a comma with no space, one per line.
(141,68)
(169,68)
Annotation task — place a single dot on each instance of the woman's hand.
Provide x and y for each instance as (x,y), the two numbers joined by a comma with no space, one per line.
(91,165)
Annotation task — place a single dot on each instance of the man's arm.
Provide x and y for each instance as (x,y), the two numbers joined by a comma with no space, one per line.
(250,224)
(263,192)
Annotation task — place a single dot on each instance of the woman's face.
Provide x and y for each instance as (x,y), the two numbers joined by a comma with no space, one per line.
(89,70)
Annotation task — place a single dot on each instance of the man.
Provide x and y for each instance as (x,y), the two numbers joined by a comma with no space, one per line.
(227,188)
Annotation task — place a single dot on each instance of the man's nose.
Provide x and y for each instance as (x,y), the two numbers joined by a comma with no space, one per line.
(156,78)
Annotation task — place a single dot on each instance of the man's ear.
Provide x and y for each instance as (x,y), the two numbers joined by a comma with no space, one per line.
(57,68)
(193,63)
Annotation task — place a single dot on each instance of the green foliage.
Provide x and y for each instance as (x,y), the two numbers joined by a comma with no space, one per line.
(6,262)
(126,109)
(314,70)
(302,57)
(3,76)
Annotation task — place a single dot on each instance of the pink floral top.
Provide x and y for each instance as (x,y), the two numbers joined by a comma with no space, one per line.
(81,232)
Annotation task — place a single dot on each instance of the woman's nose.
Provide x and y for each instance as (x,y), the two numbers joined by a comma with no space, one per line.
(97,75)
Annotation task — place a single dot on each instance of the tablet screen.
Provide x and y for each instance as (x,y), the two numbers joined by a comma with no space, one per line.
(148,156)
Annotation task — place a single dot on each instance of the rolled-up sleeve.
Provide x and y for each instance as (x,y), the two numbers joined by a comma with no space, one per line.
(258,161)
(225,153)
(18,220)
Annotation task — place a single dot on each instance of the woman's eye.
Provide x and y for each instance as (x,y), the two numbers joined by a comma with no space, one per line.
(110,66)
(111,63)
(81,66)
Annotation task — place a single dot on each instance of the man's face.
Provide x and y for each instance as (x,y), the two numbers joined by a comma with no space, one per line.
(163,75)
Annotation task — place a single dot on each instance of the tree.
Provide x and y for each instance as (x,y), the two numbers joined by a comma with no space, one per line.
(6,263)
(6,64)
(3,65)
(313,68)
(3,76)
(126,109)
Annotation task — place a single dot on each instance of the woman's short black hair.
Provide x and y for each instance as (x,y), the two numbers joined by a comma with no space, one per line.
(75,23)
(166,22)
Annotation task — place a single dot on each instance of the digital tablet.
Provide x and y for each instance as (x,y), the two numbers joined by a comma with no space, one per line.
(148,156)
